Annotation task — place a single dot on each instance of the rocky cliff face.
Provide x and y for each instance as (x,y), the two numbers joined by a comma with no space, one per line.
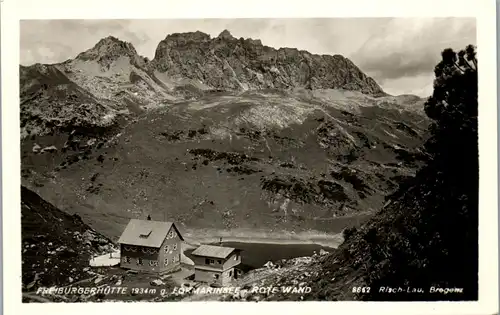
(226,62)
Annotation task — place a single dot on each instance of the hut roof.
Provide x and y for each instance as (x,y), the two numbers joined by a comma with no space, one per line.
(146,233)
(213,251)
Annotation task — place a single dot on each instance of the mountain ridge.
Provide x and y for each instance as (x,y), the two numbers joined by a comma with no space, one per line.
(128,49)
(110,45)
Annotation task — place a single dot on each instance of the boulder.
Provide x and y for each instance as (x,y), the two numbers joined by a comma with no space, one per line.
(51,148)
(243,294)
(98,280)
(157,282)
(269,265)
(30,285)
(36,148)
(89,236)
(165,277)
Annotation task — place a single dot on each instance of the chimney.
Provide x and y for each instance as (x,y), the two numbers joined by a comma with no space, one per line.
(220,241)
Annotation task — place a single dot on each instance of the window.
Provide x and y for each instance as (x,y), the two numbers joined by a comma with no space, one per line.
(167,248)
(171,234)
(145,233)
(139,261)
(127,259)
(153,263)
(216,276)
(236,257)
(219,261)
(175,246)
(230,273)
(166,261)
(208,261)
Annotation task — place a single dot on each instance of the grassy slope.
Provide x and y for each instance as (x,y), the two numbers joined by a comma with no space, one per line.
(266,161)
(56,246)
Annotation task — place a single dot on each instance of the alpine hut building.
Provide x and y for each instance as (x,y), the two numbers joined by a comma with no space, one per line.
(216,264)
(150,246)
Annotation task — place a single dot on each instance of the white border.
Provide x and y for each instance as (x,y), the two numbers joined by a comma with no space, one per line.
(484,11)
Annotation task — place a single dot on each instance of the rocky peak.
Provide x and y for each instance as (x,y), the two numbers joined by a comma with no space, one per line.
(186,37)
(108,49)
(109,40)
(225,34)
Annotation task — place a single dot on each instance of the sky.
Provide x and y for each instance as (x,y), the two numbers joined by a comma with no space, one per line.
(399,53)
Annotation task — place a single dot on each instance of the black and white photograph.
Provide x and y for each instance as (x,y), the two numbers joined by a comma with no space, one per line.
(250,159)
